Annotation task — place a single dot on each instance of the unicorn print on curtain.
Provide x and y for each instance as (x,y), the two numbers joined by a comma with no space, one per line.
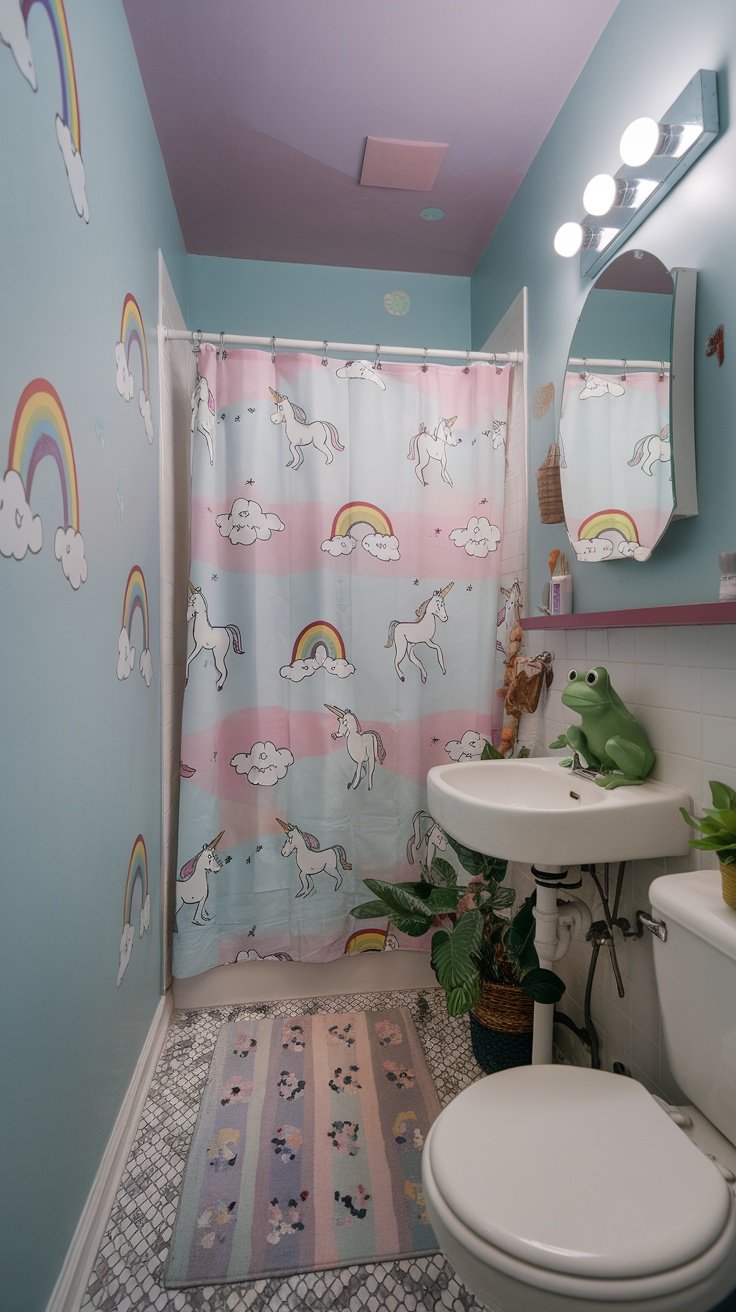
(343,596)
(616,471)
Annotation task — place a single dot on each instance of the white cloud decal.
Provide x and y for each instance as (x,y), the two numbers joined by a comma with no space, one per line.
(144,405)
(304,669)
(69,550)
(339,546)
(382,546)
(145,666)
(20,529)
(467,748)
(362,369)
(479,536)
(596,386)
(144,924)
(590,550)
(126,655)
(247,522)
(264,764)
(634,549)
(123,376)
(74,165)
(126,947)
(13,34)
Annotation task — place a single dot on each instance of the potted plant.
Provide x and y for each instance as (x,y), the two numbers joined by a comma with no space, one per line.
(483,956)
(717,826)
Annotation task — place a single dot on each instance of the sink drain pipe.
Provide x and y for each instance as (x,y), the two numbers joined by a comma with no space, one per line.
(554,927)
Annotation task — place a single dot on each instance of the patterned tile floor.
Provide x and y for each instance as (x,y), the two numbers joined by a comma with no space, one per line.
(128,1269)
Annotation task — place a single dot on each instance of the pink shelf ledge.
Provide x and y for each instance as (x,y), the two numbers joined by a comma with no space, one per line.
(647,617)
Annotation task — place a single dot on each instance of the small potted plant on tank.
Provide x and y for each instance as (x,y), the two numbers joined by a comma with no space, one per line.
(482,955)
(717,827)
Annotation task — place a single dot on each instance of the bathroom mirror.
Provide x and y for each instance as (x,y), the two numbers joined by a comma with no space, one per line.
(626,434)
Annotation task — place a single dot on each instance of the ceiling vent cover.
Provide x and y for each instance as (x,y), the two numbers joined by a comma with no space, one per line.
(405,165)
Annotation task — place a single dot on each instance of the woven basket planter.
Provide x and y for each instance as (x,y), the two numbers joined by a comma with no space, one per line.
(549,488)
(501,1027)
(728,885)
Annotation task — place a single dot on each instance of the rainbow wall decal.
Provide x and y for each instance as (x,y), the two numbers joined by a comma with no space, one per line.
(132,333)
(318,634)
(366,940)
(360,512)
(137,874)
(60,28)
(40,429)
(605,520)
(136,599)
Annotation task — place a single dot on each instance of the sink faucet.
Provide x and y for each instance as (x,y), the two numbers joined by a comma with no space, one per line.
(584,771)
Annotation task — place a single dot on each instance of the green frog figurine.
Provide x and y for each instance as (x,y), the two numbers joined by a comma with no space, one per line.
(609,737)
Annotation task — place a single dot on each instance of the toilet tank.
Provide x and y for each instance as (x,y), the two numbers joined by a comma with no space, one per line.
(696,982)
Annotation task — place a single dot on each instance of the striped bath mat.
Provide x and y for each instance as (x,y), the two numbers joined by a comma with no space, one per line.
(307,1150)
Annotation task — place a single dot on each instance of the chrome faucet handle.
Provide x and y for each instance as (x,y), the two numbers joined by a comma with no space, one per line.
(583,771)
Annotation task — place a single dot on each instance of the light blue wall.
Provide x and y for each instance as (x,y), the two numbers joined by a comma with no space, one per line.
(624,325)
(80,754)
(260,298)
(645,57)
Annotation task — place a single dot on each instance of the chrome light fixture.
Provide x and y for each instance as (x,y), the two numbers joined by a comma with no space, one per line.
(655,156)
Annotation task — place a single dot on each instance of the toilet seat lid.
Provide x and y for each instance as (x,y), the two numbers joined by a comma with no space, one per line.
(577,1171)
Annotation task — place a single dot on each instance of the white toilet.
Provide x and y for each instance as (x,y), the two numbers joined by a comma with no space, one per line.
(560,1189)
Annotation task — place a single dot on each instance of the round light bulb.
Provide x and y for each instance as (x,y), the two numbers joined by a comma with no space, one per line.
(599,194)
(639,141)
(568,239)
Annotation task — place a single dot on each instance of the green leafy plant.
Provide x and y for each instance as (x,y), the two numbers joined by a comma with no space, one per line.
(473,940)
(717,824)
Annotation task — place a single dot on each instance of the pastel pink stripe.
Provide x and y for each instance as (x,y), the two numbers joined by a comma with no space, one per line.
(410,750)
(425,548)
(249,374)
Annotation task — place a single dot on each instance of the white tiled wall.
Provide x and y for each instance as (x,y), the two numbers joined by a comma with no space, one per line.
(681,684)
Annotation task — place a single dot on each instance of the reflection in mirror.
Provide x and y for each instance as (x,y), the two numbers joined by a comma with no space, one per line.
(616,464)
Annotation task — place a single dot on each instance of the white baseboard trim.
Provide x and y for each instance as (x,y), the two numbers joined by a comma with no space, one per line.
(74,1275)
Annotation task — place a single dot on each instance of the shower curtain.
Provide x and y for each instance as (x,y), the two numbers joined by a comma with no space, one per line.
(616,469)
(342,610)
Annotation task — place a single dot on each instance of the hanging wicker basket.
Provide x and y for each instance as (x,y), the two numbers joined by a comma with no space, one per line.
(728,884)
(549,488)
(501,1027)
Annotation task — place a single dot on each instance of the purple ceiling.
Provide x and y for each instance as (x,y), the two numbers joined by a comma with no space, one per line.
(262,110)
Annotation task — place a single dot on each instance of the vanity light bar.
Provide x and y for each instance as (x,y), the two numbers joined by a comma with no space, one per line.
(663,152)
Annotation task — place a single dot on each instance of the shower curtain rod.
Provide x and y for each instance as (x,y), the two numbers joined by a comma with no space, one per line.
(357,348)
(618,362)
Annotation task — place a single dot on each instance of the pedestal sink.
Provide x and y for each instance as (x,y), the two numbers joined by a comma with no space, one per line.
(537,812)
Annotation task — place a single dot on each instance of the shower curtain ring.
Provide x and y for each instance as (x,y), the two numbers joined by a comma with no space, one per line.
(379,366)
(223,352)
(324,354)
(197,341)
(623,376)
(273,350)
(424,366)
(466,370)
(585,368)
(661,371)
(497,365)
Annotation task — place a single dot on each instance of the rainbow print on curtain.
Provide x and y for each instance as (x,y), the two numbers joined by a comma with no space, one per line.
(343,595)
